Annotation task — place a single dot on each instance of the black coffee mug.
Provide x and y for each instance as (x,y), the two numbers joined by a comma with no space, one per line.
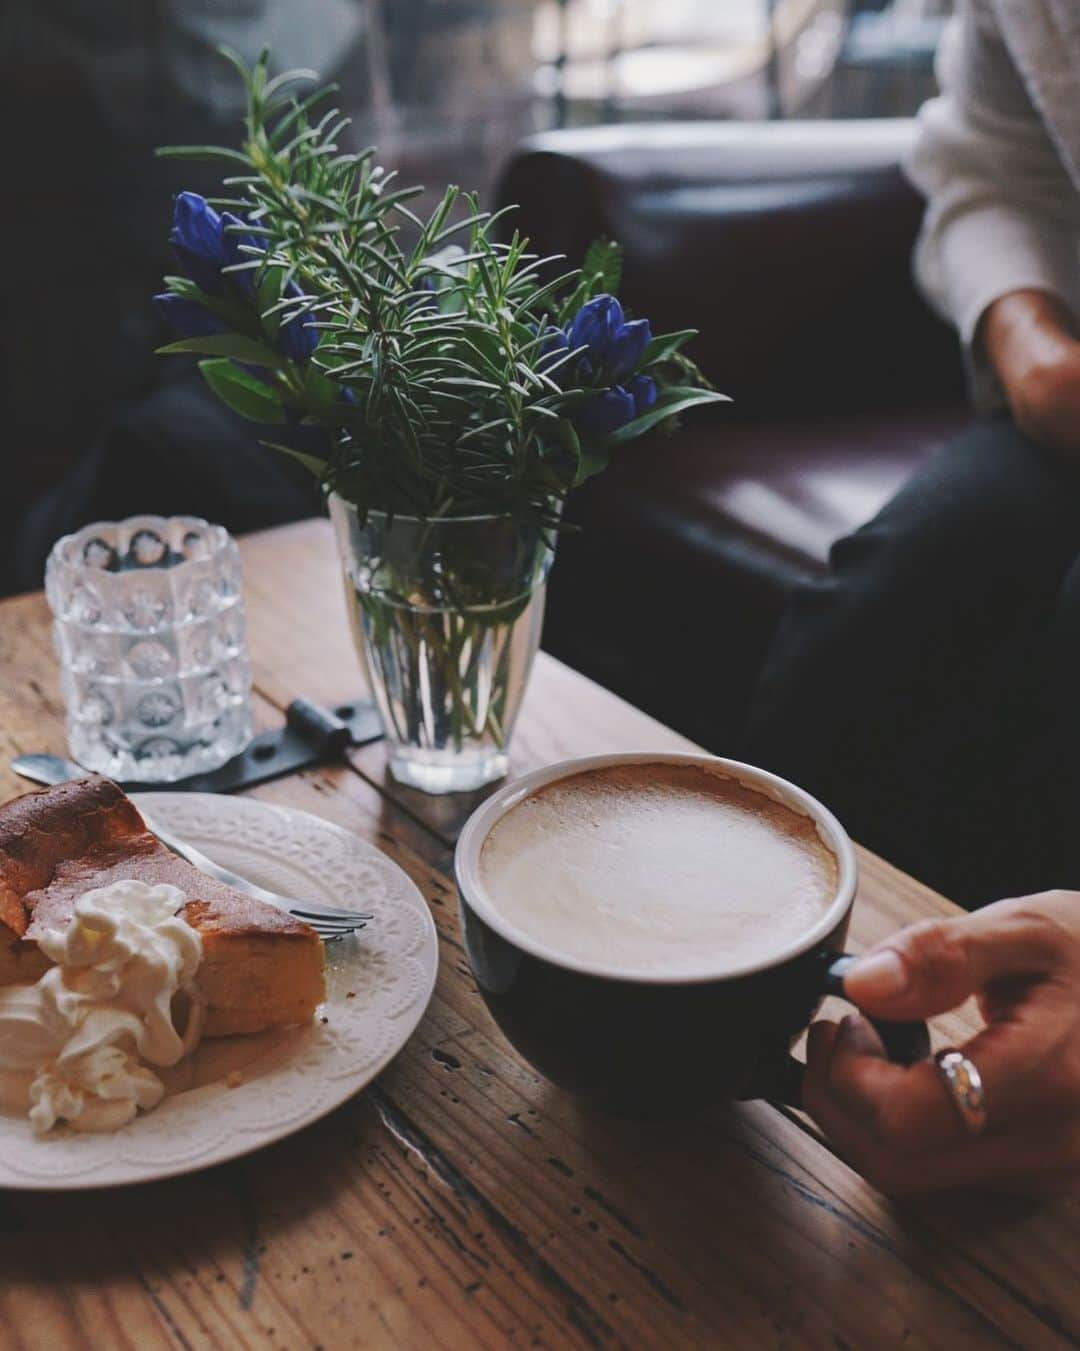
(651,1046)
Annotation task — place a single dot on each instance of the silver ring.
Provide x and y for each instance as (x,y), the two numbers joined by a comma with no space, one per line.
(965,1086)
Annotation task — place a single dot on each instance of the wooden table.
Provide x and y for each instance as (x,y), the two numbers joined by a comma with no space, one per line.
(462,1202)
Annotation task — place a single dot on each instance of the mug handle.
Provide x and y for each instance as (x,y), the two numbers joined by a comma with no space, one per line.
(905,1043)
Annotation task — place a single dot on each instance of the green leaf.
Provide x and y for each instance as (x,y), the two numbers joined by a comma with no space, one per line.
(665,346)
(237,62)
(310,462)
(602,268)
(288,77)
(233,345)
(297,111)
(677,399)
(267,291)
(230,310)
(185,287)
(593,462)
(201,152)
(242,392)
(566,434)
(324,393)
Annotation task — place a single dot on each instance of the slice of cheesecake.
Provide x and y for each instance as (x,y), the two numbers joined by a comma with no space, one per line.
(260,968)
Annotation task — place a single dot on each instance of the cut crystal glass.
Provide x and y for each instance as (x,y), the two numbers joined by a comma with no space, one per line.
(149,630)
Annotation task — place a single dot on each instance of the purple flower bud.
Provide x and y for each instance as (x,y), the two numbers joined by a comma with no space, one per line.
(626,349)
(198,242)
(204,242)
(643,388)
(595,326)
(605,412)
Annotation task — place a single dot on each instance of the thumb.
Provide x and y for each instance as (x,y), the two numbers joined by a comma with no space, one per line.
(933,967)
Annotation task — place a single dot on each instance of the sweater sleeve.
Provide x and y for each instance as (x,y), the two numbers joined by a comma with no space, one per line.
(1002,213)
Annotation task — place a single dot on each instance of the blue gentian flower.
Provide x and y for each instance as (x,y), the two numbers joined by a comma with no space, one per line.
(595,326)
(187,318)
(614,349)
(643,389)
(205,242)
(626,348)
(605,412)
(198,241)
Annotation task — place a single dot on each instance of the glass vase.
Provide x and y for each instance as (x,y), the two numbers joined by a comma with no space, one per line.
(446,616)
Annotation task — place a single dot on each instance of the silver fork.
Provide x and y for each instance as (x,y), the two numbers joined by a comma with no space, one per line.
(329,923)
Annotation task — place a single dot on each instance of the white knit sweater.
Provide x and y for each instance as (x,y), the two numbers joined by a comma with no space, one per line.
(998,158)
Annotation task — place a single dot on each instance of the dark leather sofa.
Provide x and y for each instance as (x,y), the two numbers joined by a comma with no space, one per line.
(788,245)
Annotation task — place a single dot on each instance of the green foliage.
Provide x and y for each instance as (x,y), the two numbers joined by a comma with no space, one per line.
(665,347)
(601,273)
(234,345)
(433,375)
(675,399)
(244,394)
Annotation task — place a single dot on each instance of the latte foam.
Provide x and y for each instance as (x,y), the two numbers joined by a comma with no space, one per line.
(658,867)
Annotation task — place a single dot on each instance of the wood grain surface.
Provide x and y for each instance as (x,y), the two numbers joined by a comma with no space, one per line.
(462,1202)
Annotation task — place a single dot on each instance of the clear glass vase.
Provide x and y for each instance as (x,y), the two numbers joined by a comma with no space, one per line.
(446,616)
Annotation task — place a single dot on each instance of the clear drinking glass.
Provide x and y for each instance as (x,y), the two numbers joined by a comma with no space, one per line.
(149,630)
(446,616)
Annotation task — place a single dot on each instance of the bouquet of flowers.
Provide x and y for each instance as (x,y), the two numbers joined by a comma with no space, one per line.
(447,386)
(451,379)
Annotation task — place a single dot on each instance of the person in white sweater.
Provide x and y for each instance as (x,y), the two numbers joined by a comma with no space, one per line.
(927,687)
(998,158)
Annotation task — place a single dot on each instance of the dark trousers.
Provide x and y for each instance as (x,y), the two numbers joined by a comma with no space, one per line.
(928,689)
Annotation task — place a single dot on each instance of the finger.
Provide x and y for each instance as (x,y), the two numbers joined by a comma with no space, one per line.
(1029,1160)
(852,1035)
(1027,1067)
(819,1049)
(1027,1061)
(1027,1164)
(932,967)
(906,1109)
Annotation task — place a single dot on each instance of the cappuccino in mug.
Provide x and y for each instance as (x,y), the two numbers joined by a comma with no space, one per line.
(658,867)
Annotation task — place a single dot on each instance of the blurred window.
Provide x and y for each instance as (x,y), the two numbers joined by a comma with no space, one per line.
(601,59)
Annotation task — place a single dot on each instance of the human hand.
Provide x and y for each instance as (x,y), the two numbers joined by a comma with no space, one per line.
(1030,340)
(898,1125)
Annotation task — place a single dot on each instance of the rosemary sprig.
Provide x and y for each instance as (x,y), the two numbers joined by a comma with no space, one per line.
(450,373)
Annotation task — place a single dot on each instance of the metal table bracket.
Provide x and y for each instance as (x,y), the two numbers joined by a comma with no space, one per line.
(312,735)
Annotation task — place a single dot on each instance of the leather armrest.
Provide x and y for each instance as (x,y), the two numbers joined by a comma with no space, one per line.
(786,243)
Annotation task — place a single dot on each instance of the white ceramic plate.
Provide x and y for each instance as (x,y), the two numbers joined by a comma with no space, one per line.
(378,986)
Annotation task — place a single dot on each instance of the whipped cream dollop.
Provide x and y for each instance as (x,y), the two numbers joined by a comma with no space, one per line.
(78,1039)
